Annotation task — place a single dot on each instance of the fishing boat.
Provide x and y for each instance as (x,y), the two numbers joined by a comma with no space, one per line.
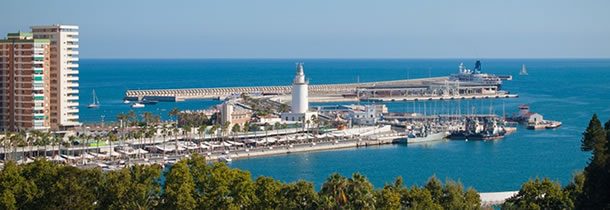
(475,130)
(95,103)
(137,105)
(523,70)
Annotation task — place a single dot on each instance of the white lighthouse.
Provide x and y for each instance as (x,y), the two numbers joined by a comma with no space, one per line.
(299,111)
(300,103)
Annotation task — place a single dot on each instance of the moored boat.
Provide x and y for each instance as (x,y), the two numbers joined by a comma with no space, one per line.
(137,105)
(95,103)
(411,139)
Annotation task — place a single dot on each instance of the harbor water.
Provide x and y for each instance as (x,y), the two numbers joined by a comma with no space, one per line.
(566,90)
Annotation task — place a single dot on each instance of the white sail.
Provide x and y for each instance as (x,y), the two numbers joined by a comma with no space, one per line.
(95,101)
(523,70)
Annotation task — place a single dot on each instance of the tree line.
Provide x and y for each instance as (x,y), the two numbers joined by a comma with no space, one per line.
(195,184)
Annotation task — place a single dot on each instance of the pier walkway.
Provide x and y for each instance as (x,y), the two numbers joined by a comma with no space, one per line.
(220,92)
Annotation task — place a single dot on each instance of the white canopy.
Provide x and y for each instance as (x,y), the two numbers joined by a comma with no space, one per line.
(69,157)
(249,141)
(141,151)
(57,158)
(87,156)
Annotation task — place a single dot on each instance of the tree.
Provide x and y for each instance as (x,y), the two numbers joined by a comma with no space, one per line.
(539,194)
(419,198)
(175,112)
(267,190)
(16,189)
(135,187)
(74,188)
(236,128)
(361,193)
(595,193)
(226,188)
(575,188)
(201,130)
(435,187)
(298,195)
(179,188)
(390,197)
(335,190)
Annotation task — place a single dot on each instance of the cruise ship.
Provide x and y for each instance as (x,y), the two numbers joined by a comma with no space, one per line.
(475,75)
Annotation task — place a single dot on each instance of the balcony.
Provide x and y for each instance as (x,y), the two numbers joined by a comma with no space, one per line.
(72,65)
(72,72)
(72,52)
(72,98)
(72,84)
(72,91)
(72,104)
(72,117)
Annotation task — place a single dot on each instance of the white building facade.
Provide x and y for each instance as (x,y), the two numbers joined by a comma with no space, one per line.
(64,44)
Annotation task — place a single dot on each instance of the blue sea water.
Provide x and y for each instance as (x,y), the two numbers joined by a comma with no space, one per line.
(568,90)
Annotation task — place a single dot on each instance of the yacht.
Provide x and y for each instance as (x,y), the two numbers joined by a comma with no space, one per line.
(523,70)
(95,103)
(137,105)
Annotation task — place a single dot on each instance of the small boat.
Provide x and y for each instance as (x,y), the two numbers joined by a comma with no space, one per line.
(536,126)
(523,70)
(126,101)
(148,102)
(95,103)
(137,105)
(552,124)
(225,159)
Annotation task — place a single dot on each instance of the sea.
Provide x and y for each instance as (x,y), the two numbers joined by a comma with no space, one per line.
(567,90)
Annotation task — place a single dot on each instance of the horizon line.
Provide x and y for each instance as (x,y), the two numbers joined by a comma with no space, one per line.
(341,58)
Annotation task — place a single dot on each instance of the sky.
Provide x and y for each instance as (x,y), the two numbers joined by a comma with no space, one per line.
(324,28)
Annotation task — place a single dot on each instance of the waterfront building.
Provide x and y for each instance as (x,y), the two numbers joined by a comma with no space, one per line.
(24,82)
(64,86)
(229,113)
(370,115)
(299,111)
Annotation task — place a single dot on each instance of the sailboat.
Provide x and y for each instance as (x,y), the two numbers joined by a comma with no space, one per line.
(523,70)
(95,103)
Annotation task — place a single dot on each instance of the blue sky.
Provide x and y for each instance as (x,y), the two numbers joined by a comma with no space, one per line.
(325,28)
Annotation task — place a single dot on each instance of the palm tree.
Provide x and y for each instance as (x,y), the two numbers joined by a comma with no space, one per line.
(225,128)
(18,140)
(176,131)
(335,187)
(201,131)
(111,138)
(148,118)
(174,113)
(212,130)
(132,117)
(122,118)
